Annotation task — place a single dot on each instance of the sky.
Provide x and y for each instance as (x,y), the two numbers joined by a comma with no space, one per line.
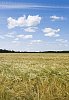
(34,25)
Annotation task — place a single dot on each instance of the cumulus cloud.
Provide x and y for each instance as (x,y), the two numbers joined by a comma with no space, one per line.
(24,21)
(11,23)
(31,29)
(51,32)
(55,18)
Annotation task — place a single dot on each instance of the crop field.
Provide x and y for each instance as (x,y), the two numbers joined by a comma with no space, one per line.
(34,76)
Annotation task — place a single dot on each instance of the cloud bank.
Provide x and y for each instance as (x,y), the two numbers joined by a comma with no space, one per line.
(30,21)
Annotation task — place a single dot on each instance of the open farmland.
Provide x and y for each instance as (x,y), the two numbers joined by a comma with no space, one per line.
(34,76)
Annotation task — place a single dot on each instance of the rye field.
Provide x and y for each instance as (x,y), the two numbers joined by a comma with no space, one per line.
(34,76)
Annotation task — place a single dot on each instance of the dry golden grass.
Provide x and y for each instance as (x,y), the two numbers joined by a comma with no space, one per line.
(35,76)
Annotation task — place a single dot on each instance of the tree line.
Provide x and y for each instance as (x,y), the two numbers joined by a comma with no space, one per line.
(12,51)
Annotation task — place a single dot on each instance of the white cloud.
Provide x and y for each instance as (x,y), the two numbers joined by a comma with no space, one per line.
(27,36)
(51,32)
(62,40)
(24,36)
(35,42)
(6,5)
(9,36)
(11,23)
(12,33)
(33,20)
(30,21)
(16,42)
(31,29)
(54,18)
(20,36)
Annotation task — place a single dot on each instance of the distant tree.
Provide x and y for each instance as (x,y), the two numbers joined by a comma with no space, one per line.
(12,51)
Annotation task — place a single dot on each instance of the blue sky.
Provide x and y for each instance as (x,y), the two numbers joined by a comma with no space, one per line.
(34,25)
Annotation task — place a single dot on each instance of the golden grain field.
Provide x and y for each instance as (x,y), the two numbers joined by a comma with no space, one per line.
(34,76)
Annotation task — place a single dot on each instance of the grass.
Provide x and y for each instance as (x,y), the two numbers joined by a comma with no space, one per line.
(35,76)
